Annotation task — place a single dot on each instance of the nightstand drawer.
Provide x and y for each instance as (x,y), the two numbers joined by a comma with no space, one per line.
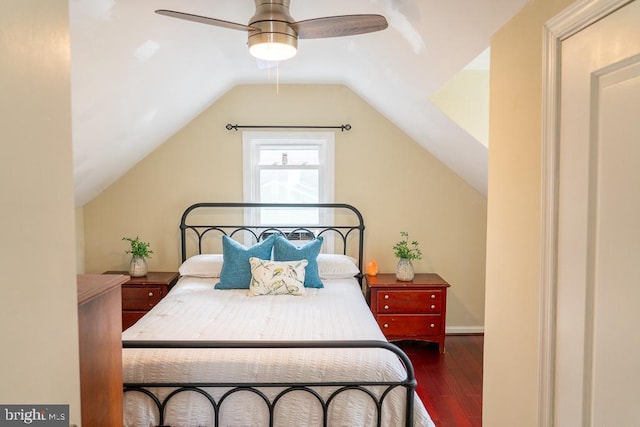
(409,301)
(409,325)
(413,310)
(141,294)
(131,317)
(140,298)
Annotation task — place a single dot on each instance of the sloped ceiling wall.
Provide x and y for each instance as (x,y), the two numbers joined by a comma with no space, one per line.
(138,77)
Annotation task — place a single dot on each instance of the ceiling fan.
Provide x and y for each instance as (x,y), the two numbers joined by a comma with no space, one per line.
(273,34)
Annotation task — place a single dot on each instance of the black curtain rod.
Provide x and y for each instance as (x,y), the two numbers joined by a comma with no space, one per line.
(229,126)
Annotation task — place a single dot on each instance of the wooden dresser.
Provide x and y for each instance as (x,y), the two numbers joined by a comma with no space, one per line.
(100,343)
(414,310)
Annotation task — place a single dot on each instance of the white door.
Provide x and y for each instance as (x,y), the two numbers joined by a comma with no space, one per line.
(596,348)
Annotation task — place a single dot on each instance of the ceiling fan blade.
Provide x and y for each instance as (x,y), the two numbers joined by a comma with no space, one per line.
(338,26)
(205,20)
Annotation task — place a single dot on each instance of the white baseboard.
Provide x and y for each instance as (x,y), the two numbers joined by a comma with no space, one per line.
(462,330)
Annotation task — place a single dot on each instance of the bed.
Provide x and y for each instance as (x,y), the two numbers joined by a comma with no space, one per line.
(291,352)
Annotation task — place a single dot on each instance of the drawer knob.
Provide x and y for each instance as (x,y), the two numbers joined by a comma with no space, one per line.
(386,296)
(386,325)
(150,294)
(386,307)
(433,296)
(433,306)
(433,325)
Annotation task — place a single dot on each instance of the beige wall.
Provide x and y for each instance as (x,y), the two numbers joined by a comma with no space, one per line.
(80,251)
(465,99)
(396,184)
(513,226)
(38,309)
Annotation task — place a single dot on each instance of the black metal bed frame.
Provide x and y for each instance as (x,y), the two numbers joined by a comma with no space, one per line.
(260,231)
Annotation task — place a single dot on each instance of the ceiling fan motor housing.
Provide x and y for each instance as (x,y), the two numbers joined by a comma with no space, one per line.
(272,19)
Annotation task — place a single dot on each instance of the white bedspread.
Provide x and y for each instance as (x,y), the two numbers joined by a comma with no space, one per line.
(193,310)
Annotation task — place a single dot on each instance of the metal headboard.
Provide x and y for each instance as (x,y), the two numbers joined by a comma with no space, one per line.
(342,232)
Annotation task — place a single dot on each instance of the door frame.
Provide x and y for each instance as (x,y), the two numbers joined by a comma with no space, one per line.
(571,21)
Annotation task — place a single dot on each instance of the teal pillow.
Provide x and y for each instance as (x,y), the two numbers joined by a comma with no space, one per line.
(236,270)
(284,250)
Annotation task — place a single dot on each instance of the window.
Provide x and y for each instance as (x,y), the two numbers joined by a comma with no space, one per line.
(288,167)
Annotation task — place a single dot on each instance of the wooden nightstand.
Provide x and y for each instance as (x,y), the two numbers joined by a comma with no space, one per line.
(413,310)
(141,294)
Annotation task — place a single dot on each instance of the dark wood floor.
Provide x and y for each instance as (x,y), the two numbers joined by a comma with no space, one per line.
(450,384)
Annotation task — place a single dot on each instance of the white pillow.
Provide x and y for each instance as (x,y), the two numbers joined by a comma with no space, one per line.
(204,265)
(336,266)
(277,277)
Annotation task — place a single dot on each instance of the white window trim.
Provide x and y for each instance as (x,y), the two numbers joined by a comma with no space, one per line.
(250,158)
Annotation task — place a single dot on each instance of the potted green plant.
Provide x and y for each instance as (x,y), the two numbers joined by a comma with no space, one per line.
(139,251)
(406,251)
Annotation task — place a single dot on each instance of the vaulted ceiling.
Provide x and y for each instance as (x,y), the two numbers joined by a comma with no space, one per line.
(138,77)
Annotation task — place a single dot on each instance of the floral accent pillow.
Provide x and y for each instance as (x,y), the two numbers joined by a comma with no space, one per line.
(277,277)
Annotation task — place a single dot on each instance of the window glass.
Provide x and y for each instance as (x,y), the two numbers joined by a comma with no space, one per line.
(289,186)
(288,167)
(289,156)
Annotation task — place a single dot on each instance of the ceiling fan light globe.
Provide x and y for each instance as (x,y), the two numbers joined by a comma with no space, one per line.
(273,46)
(273,51)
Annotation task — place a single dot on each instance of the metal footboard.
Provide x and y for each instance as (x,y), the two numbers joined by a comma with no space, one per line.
(408,383)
